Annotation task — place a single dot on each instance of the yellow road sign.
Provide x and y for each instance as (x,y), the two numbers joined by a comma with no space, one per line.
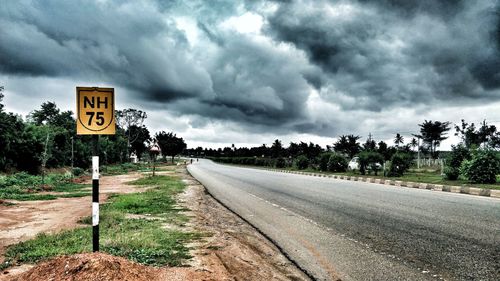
(95,109)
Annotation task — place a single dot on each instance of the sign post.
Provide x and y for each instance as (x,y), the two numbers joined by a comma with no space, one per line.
(95,116)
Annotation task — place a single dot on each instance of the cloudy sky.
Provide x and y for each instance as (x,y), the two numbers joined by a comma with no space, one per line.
(246,72)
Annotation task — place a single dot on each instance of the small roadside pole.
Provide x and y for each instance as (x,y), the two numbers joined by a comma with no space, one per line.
(95,109)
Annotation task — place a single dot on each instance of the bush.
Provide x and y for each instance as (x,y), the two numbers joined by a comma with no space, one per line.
(458,154)
(21,179)
(400,163)
(482,168)
(370,161)
(280,163)
(323,161)
(337,163)
(78,171)
(302,162)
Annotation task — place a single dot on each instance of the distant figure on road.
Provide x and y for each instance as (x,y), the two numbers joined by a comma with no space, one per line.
(191,160)
(196,159)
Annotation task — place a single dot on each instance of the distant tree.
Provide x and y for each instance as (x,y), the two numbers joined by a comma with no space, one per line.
(1,98)
(126,119)
(383,149)
(398,140)
(433,133)
(370,161)
(293,149)
(413,143)
(170,144)
(141,143)
(276,149)
(472,137)
(45,115)
(370,145)
(348,145)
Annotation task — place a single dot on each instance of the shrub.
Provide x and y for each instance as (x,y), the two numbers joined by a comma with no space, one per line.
(302,162)
(458,154)
(482,168)
(400,163)
(21,179)
(323,161)
(370,161)
(78,171)
(280,163)
(337,163)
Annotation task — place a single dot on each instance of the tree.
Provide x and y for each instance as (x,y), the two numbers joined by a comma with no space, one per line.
(413,143)
(348,145)
(433,133)
(141,143)
(398,140)
(370,161)
(276,149)
(458,154)
(47,114)
(471,137)
(370,145)
(170,144)
(1,98)
(126,119)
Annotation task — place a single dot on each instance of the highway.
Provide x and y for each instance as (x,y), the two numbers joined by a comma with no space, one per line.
(363,231)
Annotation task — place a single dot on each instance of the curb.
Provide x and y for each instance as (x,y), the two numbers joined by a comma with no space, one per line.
(428,186)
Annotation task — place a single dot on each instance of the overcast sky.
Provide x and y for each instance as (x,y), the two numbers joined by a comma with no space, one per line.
(247,72)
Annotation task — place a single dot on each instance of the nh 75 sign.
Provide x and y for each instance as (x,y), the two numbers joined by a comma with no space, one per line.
(95,111)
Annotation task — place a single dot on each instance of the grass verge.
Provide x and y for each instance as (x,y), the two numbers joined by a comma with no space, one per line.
(427,176)
(148,241)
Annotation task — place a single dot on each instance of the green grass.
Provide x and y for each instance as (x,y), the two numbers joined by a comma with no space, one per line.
(25,187)
(70,187)
(26,196)
(142,240)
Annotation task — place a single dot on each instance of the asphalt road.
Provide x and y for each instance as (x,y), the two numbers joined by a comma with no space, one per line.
(361,231)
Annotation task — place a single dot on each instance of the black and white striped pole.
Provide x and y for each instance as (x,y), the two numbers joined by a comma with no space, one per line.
(95,109)
(95,195)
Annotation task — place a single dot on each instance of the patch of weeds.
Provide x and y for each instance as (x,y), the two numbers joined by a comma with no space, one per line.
(27,196)
(140,240)
(85,220)
(69,187)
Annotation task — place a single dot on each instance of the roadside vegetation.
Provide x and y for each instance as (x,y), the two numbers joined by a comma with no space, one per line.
(474,162)
(143,227)
(46,139)
(23,186)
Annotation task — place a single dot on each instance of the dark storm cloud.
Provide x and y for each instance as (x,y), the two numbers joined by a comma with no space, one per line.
(130,45)
(312,66)
(398,53)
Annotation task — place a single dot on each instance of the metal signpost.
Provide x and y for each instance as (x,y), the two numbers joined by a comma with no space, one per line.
(95,109)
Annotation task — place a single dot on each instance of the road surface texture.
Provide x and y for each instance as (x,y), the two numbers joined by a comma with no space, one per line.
(361,231)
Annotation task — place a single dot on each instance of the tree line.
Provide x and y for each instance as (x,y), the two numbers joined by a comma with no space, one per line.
(47,138)
(372,154)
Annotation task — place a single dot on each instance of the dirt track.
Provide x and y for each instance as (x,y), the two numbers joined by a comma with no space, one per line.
(233,251)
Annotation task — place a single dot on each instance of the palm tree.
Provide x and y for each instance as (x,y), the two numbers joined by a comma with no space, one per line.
(433,133)
(413,143)
(398,140)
